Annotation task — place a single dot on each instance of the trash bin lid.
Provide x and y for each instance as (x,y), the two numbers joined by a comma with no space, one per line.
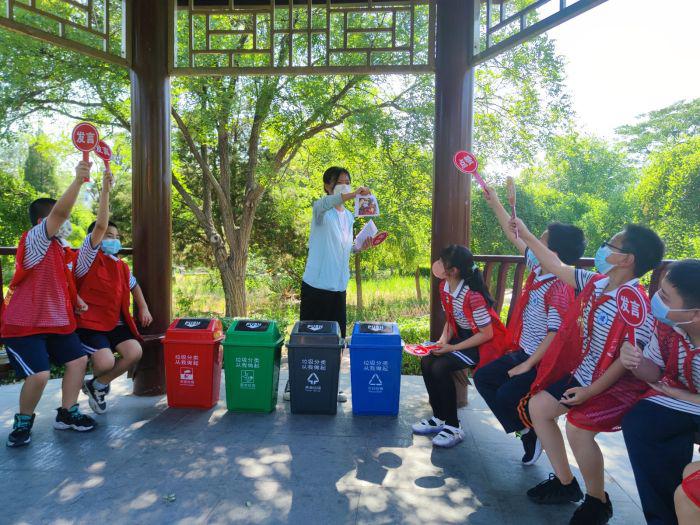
(194,330)
(316,334)
(253,332)
(375,334)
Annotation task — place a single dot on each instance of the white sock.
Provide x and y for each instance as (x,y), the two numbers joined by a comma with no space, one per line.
(523,432)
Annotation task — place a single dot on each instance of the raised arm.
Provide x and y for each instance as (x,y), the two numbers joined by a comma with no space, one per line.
(103,211)
(549,260)
(503,219)
(61,210)
(329,202)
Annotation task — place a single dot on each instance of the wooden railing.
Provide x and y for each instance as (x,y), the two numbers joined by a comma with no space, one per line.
(497,271)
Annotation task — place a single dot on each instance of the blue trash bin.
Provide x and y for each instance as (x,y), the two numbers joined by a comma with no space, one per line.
(375,368)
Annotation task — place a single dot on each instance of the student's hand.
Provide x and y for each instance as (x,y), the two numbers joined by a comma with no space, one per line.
(81,306)
(145,317)
(517,225)
(490,195)
(107,180)
(522,368)
(630,356)
(362,191)
(82,171)
(444,349)
(576,396)
(671,391)
(367,244)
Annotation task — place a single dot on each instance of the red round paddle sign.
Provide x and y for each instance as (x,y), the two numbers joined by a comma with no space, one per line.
(103,151)
(465,162)
(418,350)
(85,136)
(439,269)
(379,238)
(631,306)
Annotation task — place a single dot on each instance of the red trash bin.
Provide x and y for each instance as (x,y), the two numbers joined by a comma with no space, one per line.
(193,358)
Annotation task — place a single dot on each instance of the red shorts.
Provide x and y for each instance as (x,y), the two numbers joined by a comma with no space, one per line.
(691,487)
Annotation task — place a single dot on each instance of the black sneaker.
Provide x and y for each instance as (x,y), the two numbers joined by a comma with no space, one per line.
(21,434)
(551,491)
(73,419)
(96,396)
(287,392)
(532,447)
(593,512)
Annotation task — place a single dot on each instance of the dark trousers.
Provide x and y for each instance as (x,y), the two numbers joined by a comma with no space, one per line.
(323,305)
(437,375)
(660,444)
(501,392)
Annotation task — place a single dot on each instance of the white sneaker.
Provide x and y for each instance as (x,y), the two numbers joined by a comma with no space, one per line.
(448,437)
(342,397)
(428,426)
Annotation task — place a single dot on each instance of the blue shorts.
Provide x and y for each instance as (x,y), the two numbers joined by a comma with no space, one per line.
(94,340)
(557,389)
(34,353)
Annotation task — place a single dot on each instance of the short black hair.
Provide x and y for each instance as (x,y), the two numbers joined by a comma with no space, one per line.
(332,174)
(685,277)
(567,241)
(93,223)
(646,246)
(40,209)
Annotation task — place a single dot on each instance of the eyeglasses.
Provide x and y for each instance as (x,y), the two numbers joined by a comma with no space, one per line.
(613,247)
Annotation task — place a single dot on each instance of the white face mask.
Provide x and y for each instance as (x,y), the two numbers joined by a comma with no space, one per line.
(342,188)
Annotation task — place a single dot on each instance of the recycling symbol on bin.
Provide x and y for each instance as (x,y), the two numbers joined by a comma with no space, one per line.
(375,381)
(313,379)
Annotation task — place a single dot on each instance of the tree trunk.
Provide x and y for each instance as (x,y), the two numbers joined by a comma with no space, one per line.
(358,283)
(418,293)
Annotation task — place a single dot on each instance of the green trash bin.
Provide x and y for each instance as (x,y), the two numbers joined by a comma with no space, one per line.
(252,351)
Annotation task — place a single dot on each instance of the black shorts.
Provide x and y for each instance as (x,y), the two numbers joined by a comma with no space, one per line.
(94,340)
(32,354)
(557,389)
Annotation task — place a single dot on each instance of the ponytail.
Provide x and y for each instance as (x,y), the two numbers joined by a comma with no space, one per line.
(457,256)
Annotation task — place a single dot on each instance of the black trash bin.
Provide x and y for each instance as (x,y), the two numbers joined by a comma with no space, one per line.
(314,367)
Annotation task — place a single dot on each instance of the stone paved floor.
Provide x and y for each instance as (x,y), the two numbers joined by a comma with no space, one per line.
(151,464)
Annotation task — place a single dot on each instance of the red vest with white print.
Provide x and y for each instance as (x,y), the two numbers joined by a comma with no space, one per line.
(105,289)
(39,299)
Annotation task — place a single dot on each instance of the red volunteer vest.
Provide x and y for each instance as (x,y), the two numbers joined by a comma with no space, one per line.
(39,300)
(604,412)
(488,351)
(515,327)
(105,289)
(670,343)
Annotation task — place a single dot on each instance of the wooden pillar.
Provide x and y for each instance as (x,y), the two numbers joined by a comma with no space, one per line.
(150,137)
(454,118)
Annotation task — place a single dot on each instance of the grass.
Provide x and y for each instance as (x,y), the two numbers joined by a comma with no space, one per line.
(386,298)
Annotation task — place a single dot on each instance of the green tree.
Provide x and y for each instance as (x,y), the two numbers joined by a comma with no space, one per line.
(668,197)
(661,128)
(40,166)
(15,197)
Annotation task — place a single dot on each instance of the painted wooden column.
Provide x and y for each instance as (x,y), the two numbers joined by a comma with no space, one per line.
(151,220)
(454,95)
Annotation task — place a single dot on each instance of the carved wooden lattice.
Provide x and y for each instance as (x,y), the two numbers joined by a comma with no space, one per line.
(92,27)
(303,36)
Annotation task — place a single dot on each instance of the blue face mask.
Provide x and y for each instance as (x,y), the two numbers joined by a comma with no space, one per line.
(600,259)
(660,311)
(531,259)
(111,246)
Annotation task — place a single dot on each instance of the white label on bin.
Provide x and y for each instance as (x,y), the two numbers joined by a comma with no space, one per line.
(253,326)
(247,379)
(186,376)
(187,359)
(247,362)
(373,365)
(375,385)
(314,327)
(312,383)
(314,364)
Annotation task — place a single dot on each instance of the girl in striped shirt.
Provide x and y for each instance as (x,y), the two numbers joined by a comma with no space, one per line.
(671,365)
(473,333)
(581,375)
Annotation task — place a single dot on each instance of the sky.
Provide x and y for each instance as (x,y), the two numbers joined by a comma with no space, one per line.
(628,57)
